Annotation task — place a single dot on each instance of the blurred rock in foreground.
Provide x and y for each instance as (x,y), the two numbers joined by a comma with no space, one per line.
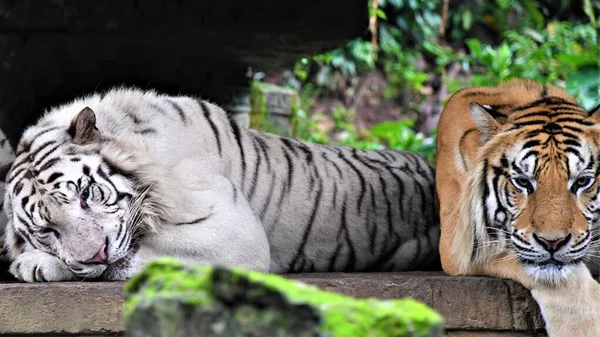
(170,300)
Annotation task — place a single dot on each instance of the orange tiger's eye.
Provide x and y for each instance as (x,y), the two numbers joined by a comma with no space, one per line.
(522,182)
(583,181)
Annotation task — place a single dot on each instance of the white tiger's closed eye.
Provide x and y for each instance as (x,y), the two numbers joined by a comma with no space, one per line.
(50,231)
(84,196)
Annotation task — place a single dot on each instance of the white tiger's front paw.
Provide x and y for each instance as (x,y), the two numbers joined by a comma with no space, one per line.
(38,266)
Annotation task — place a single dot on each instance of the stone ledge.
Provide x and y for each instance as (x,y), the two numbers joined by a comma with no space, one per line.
(468,304)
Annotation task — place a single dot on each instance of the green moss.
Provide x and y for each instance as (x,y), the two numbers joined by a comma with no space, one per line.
(168,278)
(296,117)
(340,316)
(345,316)
(259,116)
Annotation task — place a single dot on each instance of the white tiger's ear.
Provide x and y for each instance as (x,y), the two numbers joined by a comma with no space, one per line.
(83,129)
(486,120)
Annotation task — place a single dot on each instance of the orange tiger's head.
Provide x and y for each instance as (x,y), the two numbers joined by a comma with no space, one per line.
(532,158)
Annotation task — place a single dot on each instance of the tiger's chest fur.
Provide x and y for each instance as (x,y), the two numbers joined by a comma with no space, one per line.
(321,208)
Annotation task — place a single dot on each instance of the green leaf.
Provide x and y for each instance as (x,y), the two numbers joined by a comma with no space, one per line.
(467,19)
(577,60)
(397,3)
(535,13)
(584,85)
(589,11)
(397,134)
(585,77)
(377,12)
(475,47)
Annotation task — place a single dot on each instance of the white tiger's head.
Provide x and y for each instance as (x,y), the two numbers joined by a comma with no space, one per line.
(67,197)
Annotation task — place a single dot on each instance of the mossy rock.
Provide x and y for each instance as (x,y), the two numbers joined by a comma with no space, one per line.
(169,299)
(273,108)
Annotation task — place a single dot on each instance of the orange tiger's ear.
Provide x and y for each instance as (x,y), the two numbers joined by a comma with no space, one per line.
(83,129)
(595,114)
(486,120)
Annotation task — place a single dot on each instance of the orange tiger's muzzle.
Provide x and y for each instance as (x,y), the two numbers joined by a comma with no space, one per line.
(551,228)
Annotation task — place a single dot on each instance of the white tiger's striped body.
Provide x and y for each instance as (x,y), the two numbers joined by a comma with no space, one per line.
(249,198)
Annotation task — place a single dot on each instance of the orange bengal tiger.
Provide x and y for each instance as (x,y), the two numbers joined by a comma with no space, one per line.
(517,181)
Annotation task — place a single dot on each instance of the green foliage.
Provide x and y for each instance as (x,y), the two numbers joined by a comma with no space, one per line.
(398,135)
(349,136)
(401,135)
(490,41)
(412,20)
(305,126)
(349,60)
(563,53)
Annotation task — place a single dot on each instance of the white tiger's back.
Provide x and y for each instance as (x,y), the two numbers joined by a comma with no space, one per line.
(322,208)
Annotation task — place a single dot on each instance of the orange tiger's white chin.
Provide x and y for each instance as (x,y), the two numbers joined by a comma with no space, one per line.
(551,272)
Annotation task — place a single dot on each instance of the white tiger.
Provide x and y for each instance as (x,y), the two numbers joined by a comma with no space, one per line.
(7,157)
(106,183)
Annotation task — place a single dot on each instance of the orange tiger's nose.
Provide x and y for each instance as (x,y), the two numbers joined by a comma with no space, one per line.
(551,245)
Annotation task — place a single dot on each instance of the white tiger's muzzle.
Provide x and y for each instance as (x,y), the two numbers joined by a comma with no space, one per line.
(90,267)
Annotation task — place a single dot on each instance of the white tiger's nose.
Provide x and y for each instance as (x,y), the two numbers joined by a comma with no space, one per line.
(100,257)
